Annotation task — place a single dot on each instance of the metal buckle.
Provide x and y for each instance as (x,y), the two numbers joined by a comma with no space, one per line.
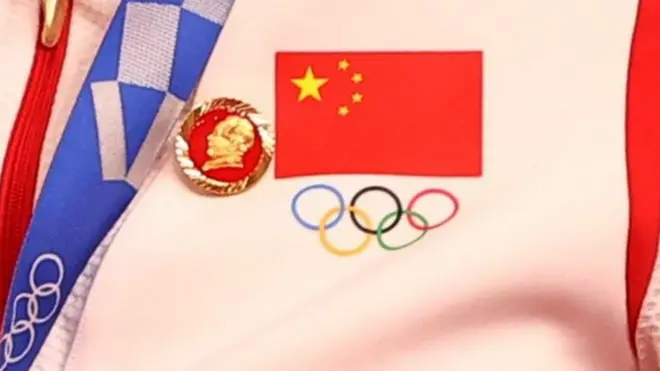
(54,16)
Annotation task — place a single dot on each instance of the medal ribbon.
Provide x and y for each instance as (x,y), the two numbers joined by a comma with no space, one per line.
(149,62)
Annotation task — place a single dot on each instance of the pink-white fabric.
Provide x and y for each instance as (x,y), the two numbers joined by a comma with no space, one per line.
(528,276)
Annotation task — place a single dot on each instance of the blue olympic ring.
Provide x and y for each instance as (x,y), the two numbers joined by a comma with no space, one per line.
(315,227)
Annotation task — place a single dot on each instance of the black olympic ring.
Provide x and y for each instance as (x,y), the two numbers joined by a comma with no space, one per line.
(397,217)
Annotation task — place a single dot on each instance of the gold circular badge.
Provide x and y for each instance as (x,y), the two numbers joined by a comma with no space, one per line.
(224,146)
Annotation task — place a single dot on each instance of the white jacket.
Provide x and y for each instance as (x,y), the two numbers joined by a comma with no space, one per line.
(529,276)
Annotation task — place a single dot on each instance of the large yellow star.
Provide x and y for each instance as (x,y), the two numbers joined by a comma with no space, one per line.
(309,85)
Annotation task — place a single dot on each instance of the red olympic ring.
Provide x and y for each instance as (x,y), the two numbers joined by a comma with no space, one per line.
(427,192)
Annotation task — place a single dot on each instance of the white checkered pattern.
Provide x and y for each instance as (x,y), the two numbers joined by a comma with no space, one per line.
(215,11)
(145,60)
(110,124)
(147,49)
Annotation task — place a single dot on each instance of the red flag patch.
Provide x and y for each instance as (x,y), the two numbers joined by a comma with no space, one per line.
(396,113)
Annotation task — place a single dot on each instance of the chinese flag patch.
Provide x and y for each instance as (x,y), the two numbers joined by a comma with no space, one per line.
(396,113)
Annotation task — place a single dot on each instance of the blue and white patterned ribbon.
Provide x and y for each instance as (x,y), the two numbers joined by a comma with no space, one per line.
(149,62)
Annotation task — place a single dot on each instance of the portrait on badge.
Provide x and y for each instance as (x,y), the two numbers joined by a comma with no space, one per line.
(224,147)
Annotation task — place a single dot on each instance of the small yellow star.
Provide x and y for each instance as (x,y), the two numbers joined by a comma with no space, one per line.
(357,78)
(309,85)
(343,65)
(357,98)
(343,111)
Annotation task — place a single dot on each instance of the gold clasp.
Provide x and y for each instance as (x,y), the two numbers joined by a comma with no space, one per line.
(54,17)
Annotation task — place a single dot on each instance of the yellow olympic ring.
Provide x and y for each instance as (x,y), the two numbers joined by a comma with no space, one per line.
(334,249)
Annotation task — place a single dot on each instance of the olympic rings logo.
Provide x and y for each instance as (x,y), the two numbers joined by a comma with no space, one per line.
(17,327)
(365,223)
